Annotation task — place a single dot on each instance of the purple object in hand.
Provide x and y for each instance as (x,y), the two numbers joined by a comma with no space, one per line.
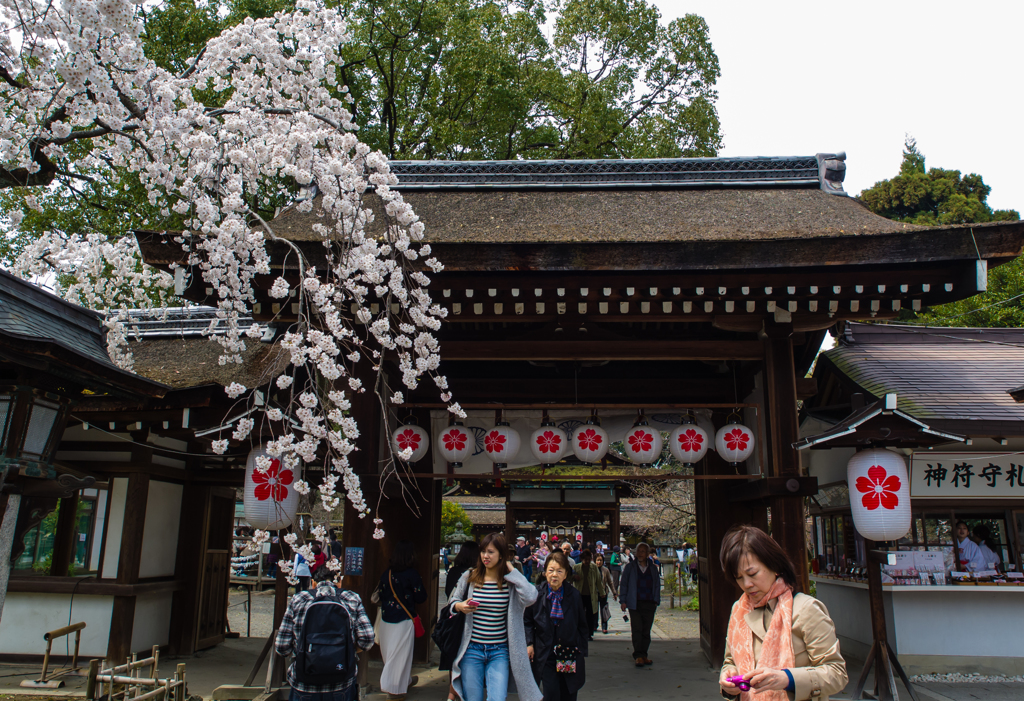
(740,682)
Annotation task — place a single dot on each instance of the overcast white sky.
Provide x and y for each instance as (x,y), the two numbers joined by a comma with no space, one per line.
(800,78)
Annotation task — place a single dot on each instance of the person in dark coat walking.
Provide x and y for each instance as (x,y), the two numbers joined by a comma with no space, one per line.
(557,632)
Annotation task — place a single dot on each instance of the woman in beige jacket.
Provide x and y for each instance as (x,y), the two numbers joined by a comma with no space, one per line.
(781,642)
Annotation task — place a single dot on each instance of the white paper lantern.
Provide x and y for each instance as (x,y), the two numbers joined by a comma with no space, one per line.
(270,498)
(411,436)
(642,443)
(688,443)
(548,443)
(590,442)
(501,443)
(879,494)
(455,443)
(734,442)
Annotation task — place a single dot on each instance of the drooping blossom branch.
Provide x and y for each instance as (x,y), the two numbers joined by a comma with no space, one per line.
(75,70)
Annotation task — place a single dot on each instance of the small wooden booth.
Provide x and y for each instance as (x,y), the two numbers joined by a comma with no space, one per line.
(959,381)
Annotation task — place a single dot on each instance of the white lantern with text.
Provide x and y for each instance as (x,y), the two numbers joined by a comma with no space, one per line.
(501,444)
(688,443)
(270,498)
(410,436)
(590,442)
(734,442)
(642,443)
(879,494)
(455,443)
(548,443)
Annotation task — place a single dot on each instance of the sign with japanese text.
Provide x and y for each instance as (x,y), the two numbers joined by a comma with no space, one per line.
(967,475)
(354,562)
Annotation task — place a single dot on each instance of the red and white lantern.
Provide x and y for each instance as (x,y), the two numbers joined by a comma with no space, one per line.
(642,443)
(734,442)
(410,436)
(590,442)
(501,444)
(456,443)
(879,494)
(548,443)
(688,443)
(270,498)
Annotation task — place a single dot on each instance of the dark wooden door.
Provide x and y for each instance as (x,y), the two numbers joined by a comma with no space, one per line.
(215,572)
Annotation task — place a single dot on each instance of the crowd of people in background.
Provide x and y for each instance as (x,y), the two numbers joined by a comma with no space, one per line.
(530,613)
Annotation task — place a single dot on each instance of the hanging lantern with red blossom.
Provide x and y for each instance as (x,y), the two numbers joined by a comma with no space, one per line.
(879,494)
(590,442)
(548,443)
(688,442)
(455,443)
(734,442)
(410,436)
(642,443)
(501,444)
(270,498)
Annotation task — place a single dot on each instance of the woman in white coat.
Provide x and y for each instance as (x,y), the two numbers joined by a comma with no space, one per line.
(494,597)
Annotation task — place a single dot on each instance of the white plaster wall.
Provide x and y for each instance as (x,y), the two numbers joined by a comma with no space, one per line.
(152,621)
(112,540)
(98,534)
(160,533)
(968,622)
(828,464)
(27,616)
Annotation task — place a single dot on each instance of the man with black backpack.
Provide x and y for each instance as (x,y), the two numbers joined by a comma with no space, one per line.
(323,629)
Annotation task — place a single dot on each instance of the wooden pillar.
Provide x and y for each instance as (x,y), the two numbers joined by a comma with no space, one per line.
(616,521)
(122,617)
(716,514)
(195,512)
(788,521)
(510,521)
(64,539)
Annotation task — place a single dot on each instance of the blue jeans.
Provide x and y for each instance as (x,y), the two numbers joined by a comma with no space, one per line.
(485,665)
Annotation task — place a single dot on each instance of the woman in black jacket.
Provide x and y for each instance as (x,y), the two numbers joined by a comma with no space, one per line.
(557,632)
(469,553)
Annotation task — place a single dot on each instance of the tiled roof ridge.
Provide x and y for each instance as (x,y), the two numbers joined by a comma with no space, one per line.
(868,334)
(823,170)
(48,303)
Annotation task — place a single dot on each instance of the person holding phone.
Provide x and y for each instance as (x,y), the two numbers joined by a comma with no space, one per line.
(494,597)
(782,642)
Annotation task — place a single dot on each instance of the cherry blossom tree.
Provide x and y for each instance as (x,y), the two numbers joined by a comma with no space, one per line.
(260,109)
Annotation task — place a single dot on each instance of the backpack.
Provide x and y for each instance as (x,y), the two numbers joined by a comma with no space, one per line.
(326,651)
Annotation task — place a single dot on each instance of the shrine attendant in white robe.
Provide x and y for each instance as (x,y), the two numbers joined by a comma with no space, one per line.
(971,558)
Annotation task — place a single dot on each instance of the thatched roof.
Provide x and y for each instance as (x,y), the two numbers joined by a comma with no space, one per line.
(191,362)
(610,216)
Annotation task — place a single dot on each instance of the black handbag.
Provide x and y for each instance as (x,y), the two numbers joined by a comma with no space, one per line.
(447,633)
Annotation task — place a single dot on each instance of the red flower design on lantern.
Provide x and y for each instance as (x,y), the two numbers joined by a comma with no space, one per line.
(589,439)
(641,441)
(408,439)
(879,489)
(690,440)
(494,442)
(549,442)
(271,484)
(737,439)
(454,440)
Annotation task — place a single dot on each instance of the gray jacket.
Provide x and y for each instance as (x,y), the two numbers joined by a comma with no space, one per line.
(523,594)
(627,583)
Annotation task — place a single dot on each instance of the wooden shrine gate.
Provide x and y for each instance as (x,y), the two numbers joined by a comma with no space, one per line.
(672,282)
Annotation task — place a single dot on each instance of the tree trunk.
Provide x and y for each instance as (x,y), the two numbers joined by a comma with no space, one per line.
(10,520)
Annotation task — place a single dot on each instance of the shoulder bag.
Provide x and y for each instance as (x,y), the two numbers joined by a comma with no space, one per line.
(417,624)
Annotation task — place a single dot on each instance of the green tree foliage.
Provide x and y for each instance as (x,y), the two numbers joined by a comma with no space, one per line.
(939,197)
(485,79)
(451,514)
(932,197)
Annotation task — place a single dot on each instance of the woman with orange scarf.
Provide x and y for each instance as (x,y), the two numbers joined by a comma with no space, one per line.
(781,642)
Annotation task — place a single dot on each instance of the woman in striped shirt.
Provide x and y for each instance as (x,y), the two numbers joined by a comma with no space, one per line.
(494,596)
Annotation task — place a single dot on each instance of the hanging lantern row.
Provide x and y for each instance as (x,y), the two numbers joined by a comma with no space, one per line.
(689,443)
